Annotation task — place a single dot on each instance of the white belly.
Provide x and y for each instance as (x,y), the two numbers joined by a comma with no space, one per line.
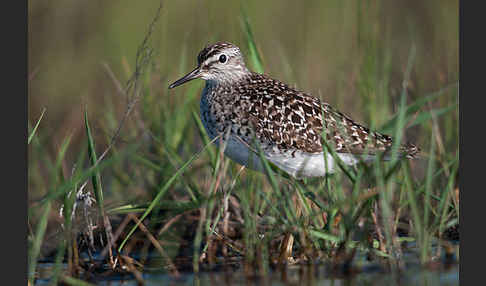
(301,165)
(309,165)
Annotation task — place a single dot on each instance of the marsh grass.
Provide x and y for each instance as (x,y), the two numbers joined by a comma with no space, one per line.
(176,203)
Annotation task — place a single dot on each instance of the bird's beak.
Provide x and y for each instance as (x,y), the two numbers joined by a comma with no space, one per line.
(190,76)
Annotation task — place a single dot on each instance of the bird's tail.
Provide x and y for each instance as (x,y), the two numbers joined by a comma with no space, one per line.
(409,151)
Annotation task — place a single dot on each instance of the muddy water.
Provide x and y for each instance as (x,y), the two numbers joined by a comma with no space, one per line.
(317,274)
(443,271)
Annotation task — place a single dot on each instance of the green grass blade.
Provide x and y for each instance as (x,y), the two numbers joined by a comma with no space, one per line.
(35,127)
(272,178)
(96,179)
(325,236)
(424,247)
(347,171)
(412,108)
(402,113)
(268,170)
(81,177)
(162,192)
(427,115)
(413,202)
(75,282)
(254,56)
(444,202)
(39,236)
(42,224)
(173,207)
(205,137)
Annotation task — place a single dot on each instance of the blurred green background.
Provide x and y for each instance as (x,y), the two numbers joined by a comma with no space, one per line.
(352,54)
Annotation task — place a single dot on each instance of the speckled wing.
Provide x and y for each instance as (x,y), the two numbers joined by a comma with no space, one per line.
(291,120)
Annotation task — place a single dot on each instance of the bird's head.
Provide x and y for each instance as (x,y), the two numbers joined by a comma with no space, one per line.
(221,63)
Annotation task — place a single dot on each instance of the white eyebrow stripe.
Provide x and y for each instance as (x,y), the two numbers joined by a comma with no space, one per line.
(228,52)
(210,60)
(214,58)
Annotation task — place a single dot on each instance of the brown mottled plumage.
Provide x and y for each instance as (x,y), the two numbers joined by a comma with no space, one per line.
(286,122)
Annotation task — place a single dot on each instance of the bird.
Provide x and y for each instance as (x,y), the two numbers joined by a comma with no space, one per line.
(253,112)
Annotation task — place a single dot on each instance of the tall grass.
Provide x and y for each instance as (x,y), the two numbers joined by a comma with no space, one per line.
(165,180)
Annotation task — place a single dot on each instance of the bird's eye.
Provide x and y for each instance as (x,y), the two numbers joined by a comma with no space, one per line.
(222,59)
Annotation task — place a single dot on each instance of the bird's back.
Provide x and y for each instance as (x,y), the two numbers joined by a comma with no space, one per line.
(288,124)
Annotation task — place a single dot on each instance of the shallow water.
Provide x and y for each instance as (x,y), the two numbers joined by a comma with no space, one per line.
(444,271)
(410,278)
(317,274)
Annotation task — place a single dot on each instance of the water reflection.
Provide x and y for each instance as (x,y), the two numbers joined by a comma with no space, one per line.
(313,274)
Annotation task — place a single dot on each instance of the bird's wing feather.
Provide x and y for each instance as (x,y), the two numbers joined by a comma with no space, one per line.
(289,119)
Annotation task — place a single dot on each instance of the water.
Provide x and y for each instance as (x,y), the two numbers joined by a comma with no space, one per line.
(317,274)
